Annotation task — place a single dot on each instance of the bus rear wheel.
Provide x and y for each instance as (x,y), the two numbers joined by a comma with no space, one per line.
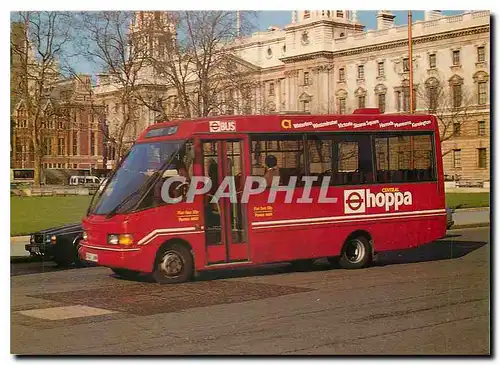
(356,253)
(174,264)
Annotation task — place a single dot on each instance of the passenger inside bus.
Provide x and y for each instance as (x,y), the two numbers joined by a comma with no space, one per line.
(272,169)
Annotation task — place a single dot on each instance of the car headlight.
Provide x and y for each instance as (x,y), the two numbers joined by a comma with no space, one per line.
(53,239)
(120,239)
(85,236)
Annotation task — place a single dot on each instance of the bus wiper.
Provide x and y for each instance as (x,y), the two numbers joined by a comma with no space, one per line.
(128,198)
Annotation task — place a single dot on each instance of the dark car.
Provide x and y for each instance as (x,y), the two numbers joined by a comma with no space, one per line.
(59,244)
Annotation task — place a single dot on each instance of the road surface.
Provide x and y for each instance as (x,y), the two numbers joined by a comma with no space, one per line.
(429,300)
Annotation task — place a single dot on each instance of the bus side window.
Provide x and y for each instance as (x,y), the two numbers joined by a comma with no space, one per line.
(288,151)
(345,158)
(404,157)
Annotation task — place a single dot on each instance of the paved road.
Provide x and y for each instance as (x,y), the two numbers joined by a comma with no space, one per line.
(429,300)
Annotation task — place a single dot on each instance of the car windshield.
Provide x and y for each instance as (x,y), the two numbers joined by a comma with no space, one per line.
(134,173)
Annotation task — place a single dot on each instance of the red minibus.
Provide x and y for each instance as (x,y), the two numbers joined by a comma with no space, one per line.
(381,176)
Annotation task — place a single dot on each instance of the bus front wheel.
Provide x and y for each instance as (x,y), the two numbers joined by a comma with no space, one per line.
(356,253)
(174,264)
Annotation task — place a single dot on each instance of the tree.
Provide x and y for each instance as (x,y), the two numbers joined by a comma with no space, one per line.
(37,56)
(451,102)
(108,45)
(197,57)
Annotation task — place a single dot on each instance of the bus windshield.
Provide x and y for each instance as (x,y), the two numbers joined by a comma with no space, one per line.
(134,173)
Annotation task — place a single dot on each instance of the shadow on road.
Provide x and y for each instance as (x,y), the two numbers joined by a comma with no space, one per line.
(445,249)
(438,250)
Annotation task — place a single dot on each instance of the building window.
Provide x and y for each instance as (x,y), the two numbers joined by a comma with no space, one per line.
(271,89)
(457,95)
(305,106)
(341,74)
(60,146)
(481,128)
(398,100)
(92,144)
(48,146)
(361,72)
(75,143)
(481,158)
(361,101)
(340,13)
(482,94)
(480,54)
(306,78)
(381,69)
(307,14)
(432,60)
(457,162)
(456,129)
(342,105)
(22,118)
(406,65)
(456,58)
(432,97)
(381,103)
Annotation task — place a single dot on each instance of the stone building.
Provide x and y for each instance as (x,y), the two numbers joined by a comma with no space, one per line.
(325,62)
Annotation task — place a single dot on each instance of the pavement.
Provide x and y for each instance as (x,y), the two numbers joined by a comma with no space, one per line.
(432,300)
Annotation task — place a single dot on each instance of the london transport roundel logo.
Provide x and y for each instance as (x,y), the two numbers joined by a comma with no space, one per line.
(354,201)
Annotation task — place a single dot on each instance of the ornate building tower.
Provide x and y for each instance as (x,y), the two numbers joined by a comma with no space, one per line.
(150,31)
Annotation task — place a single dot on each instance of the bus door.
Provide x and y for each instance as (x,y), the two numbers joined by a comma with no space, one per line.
(225,220)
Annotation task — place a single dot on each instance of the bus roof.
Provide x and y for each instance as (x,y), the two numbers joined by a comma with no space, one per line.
(289,123)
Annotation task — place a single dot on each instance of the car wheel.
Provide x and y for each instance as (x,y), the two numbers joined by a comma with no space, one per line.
(356,253)
(303,265)
(174,264)
(76,245)
(124,273)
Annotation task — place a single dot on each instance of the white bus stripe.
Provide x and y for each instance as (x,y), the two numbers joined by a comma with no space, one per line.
(165,230)
(319,219)
(151,236)
(348,221)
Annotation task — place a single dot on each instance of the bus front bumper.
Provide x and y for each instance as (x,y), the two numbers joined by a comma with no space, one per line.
(115,257)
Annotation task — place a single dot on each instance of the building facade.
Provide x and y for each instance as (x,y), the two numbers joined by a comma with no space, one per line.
(71,127)
(325,62)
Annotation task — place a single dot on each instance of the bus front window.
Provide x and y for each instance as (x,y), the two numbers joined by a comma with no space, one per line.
(133,177)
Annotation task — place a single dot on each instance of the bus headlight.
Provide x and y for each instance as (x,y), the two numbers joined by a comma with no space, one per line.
(112,239)
(120,239)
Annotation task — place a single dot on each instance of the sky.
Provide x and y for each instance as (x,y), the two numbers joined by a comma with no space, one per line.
(282,18)
(368,18)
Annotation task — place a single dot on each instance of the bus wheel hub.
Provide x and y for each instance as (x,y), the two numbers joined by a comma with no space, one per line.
(171,264)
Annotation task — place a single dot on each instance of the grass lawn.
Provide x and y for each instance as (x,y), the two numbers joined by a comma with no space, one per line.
(467,200)
(29,214)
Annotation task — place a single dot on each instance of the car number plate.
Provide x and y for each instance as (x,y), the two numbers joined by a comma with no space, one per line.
(91,256)
(35,249)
